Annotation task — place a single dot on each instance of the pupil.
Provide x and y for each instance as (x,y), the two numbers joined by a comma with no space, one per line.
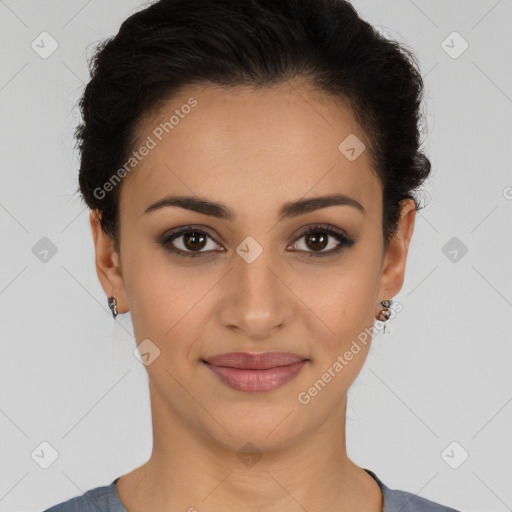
(194,241)
(318,240)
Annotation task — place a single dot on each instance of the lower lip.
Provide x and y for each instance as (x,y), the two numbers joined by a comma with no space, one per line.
(254,381)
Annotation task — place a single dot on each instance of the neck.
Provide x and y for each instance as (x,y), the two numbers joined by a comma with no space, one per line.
(188,470)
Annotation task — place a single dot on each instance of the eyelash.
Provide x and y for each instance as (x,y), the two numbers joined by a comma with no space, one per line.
(343,240)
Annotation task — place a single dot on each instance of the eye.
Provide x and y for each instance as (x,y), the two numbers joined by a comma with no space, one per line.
(317,239)
(192,242)
(189,242)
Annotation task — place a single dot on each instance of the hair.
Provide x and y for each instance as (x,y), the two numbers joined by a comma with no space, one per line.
(170,44)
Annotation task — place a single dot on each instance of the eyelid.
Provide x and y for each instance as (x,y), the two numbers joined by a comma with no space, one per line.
(343,239)
(304,230)
(173,234)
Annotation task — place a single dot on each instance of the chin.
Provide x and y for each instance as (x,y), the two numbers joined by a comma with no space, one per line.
(256,427)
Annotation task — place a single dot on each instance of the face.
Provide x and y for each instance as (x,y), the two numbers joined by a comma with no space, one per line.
(242,276)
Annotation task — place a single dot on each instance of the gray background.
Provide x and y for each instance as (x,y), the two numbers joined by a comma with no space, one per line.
(67,376)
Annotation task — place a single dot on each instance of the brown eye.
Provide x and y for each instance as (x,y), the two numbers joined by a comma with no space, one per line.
(318,238)
(316,241)
(194,241)
(189,242)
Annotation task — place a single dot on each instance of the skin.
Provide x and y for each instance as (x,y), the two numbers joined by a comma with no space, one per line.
(252,150)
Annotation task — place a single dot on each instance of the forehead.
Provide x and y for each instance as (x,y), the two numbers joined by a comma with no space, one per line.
(251,148)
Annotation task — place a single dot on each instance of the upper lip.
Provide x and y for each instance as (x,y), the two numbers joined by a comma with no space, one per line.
(259,361)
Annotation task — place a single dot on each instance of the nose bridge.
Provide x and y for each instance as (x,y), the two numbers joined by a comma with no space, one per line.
(256,299)
(255,271)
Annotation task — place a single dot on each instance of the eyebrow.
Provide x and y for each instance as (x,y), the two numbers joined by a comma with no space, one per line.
(221,211)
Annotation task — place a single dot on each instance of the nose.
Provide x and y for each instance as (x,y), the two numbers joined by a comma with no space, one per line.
(256,300)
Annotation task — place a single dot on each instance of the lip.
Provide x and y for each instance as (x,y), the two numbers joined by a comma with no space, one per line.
(254,373)
(261,361)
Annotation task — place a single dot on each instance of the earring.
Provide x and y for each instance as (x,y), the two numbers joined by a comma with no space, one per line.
(385,313)
(112,304)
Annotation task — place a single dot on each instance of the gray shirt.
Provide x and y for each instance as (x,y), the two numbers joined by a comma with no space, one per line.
(106,499)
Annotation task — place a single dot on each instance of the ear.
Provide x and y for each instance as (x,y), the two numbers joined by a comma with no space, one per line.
(393,268)
(108,266)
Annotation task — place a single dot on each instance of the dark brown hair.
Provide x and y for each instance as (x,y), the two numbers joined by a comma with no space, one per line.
(174,43)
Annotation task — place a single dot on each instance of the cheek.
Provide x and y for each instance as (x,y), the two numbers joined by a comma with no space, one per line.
(170,303)
(343,301)
(341,350)
(156,295)
(167,302)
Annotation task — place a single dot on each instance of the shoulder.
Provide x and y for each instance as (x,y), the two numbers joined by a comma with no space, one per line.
(99,499)
(403,501)
(406,502)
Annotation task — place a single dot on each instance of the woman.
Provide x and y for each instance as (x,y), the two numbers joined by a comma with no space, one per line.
(250,170)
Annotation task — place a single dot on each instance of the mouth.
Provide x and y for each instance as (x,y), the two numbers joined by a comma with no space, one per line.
(254,373)
(261,361)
